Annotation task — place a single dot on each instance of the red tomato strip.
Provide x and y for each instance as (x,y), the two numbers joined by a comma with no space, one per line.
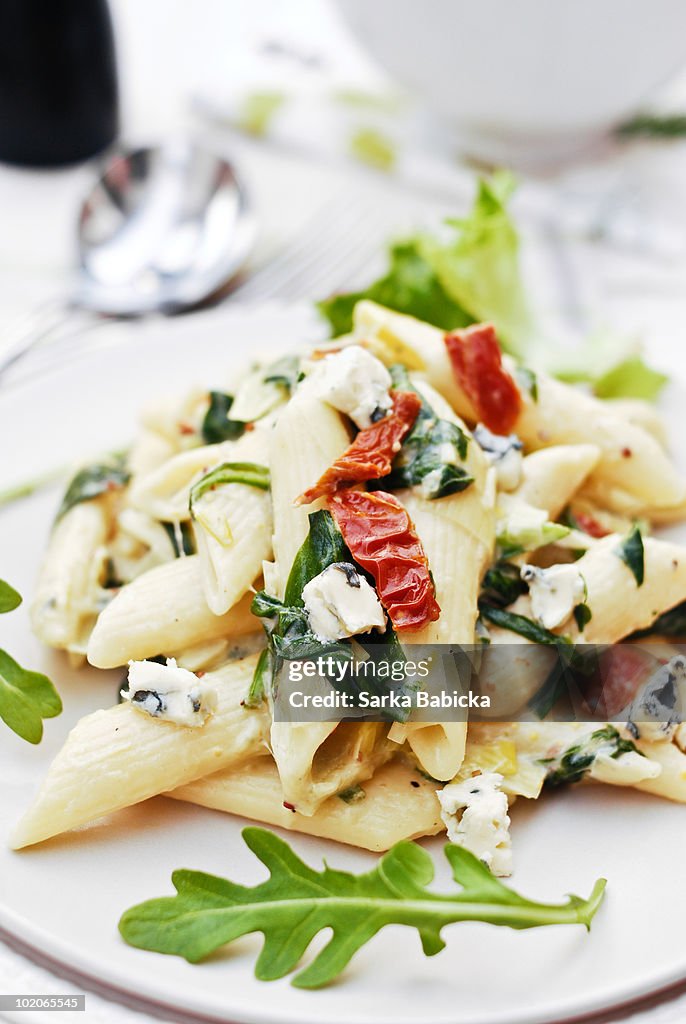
(590,525)
(382,538)
(476,360)
(373,450)
(619,675)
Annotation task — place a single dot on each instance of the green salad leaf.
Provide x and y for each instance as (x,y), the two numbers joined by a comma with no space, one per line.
(92,481)
(472,274)
(297,902)
(630,550)
(410,286)
(653,126)
(671,623)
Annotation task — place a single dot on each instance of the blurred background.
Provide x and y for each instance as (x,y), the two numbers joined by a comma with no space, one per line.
(349,123)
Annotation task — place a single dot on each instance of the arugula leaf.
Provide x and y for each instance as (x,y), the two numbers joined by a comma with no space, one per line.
(297,902)
(630,550)
(323,546)
(520,624)
(578,759)
(410,286)
(9,598)
(26,698)
(216,426)
(249,473)
(92,481)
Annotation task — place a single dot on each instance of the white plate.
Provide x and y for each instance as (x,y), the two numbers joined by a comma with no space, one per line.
(65,897)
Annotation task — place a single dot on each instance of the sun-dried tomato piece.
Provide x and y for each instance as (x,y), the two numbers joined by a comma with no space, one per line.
(383,540)
(371,454)
(478,367)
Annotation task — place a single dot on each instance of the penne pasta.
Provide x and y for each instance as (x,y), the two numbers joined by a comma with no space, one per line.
(396,803)
(119,757)
(163,610)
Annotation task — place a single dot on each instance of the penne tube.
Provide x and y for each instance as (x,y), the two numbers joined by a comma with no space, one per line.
(457,533)
(119,757)
(317,759)
(163,610)
(671,782)
(632,462)
(65,602)
(552,476)
(308,437)
(395,804)
(164,492)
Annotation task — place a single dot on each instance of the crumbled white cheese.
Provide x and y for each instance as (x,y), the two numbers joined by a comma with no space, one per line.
(339,603)
(554,592)
(354,382)
(170,693)
(483,827)
(504,452)
(657,711)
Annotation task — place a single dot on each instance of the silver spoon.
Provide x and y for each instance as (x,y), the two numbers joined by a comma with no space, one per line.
(163,230)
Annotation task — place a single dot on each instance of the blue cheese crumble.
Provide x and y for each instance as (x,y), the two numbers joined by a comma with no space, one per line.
(504,452)
(341,603)
(170,693)
(356,383)
(475,814)
(554,592)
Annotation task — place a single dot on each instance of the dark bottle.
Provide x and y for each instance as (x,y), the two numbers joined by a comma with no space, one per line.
(58,81)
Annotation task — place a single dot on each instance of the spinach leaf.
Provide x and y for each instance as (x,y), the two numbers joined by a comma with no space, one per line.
(578,759)
(181,538)
(9,598)
(297,902)
(92,481)
(520,624)
(352,795)
(427,453)
(528,381)
(261,680)
(582,616)
(249,473)
(502,584)
(323,546)
(285,372)
(630,550)
(216,426)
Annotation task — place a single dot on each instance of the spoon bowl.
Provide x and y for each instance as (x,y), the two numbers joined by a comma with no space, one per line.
(162,230)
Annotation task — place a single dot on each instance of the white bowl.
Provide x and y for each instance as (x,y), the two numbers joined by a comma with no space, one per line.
(534,78)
